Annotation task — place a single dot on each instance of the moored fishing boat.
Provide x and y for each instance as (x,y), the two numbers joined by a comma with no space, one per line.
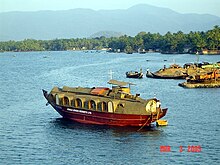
(203,80)
(159,76)
(114,106)
(134,74)
(173,72)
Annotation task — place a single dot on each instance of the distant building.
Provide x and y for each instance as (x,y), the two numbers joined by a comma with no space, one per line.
(206,51)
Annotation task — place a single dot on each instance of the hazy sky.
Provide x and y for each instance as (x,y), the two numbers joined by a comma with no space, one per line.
(182,6)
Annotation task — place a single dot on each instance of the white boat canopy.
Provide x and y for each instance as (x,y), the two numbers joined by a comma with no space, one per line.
(119,83)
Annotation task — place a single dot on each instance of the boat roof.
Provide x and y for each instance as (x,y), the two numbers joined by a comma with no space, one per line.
(119,83)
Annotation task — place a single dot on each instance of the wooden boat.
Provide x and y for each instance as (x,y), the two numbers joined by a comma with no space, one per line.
(114,106)
(159,76)
(205,77)
(161,122)
(134,74)
(173,72)
(203,80)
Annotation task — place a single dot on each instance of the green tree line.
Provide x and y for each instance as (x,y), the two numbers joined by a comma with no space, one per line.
(168,43)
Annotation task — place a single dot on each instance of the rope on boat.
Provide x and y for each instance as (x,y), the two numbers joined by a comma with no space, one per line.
(158,113)
(144,124)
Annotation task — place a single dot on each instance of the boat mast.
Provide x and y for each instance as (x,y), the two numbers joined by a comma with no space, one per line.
(110,74)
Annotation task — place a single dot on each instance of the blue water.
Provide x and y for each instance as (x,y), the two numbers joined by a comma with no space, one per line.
(32,133)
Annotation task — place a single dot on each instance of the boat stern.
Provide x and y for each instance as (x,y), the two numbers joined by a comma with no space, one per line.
(163,112)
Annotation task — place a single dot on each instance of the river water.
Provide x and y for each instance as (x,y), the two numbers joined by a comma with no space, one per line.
(32,133)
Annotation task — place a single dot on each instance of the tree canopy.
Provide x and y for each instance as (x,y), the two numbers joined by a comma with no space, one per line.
(169,43)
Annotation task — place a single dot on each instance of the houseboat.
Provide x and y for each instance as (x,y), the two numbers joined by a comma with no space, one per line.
(114,106)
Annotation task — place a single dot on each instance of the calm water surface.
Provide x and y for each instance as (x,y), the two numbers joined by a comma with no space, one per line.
(32,133)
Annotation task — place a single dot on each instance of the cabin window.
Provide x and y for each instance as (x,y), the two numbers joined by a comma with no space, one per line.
(78,103)
(65,101)
(57,99)
(99,107)
(110,107)
(104,107)
(121,105)
(92,105)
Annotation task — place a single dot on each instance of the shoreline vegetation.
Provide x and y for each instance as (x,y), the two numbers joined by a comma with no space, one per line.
(171,43)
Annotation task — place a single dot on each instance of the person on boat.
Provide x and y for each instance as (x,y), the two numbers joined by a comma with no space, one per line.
(147,70)
(164,67)
(158,104)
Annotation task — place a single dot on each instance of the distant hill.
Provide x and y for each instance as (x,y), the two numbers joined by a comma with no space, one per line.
(78,23)
(107,34)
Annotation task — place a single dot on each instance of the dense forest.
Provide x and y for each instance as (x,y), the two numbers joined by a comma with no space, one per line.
(169,43)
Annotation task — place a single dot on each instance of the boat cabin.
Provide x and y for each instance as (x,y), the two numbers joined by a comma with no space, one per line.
(118,99)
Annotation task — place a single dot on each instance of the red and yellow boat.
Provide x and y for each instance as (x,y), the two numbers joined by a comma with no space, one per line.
(114,106)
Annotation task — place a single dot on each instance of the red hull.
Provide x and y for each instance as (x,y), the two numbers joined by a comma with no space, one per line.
(102,118)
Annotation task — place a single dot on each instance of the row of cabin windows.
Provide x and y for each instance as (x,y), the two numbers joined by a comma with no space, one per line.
(102,106)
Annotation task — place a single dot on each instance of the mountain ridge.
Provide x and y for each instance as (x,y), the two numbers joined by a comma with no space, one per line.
(83,23)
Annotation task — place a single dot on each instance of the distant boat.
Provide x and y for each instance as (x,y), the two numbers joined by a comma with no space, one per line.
(134,74)
(114,106)
(203,80)
(155,75)
(173,72)
(205,77)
